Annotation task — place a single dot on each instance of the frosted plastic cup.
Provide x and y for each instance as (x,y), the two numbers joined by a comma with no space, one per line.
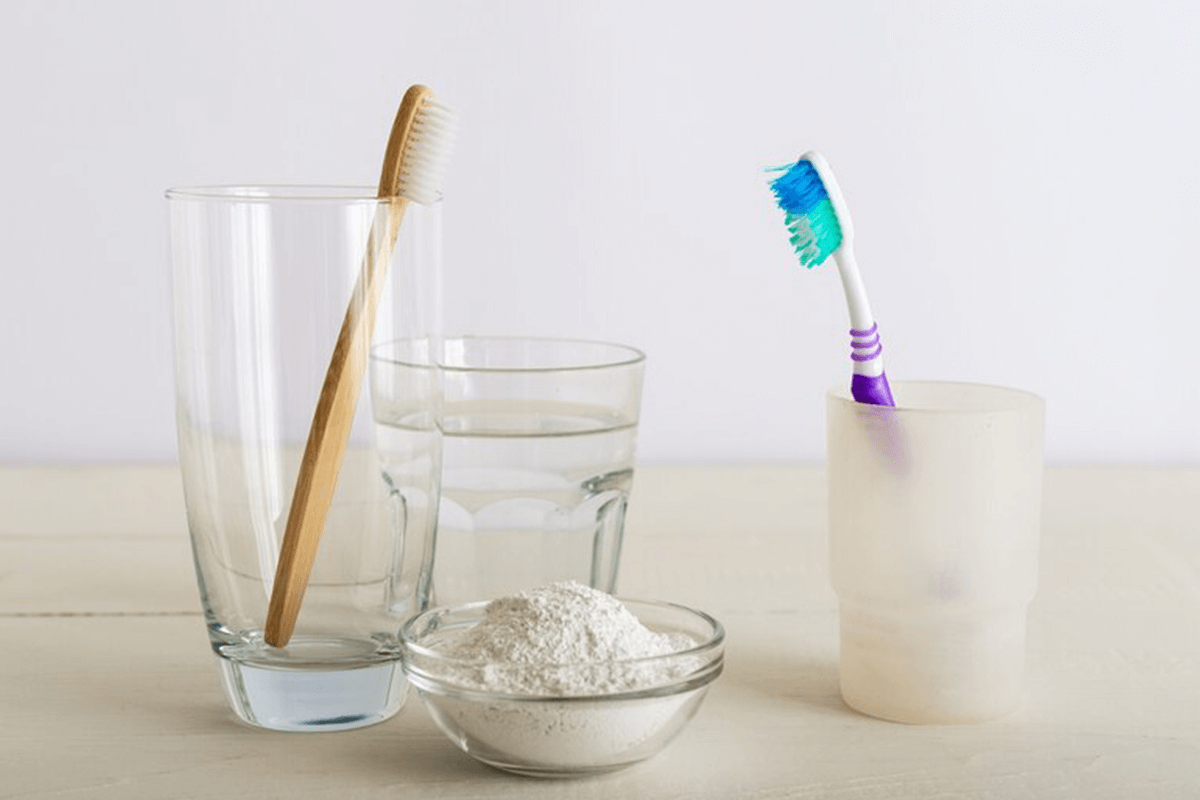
(934,515)
(262,278)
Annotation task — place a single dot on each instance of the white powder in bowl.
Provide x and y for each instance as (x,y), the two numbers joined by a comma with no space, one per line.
(564,642)
(562,736)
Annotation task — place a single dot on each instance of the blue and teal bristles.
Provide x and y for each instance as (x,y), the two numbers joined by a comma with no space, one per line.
(819,226)
(809,214)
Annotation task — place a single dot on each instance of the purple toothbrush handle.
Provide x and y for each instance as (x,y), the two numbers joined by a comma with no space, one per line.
(872,389)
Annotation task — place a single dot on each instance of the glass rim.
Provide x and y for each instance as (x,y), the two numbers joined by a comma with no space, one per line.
(1016,400)
(632,355)
(279,192)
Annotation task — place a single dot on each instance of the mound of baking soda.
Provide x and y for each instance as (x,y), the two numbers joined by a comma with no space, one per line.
(565,639)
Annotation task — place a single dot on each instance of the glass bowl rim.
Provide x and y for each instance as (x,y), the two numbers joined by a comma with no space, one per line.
(710,651)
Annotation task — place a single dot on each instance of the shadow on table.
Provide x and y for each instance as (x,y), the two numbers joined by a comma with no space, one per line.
(785,677)
(420,759)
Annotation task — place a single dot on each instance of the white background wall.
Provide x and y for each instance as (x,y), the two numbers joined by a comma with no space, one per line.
(1024,178)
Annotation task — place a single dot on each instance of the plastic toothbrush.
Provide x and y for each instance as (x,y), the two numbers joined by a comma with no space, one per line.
(819,224)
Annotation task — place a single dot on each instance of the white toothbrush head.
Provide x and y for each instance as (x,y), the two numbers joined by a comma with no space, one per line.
(419,150)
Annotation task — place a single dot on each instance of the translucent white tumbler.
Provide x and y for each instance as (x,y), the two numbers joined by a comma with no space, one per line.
(934,516)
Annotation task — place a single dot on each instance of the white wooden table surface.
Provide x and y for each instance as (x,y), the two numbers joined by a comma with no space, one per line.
(107,689)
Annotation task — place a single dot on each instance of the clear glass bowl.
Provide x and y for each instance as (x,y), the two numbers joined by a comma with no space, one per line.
(564,736)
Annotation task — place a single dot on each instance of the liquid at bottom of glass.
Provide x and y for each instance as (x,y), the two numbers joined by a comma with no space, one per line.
(315,684)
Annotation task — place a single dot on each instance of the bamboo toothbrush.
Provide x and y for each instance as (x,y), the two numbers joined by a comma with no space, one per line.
(418,150)
(820,227)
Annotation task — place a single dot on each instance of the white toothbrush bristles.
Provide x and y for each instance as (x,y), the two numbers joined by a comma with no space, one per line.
(427,152)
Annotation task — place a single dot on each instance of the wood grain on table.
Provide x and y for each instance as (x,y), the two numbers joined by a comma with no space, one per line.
(107,689)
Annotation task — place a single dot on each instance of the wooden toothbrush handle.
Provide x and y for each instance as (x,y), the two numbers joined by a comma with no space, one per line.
(328,435)
(334,416)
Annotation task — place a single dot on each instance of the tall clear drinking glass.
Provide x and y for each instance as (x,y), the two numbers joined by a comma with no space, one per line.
(262,277)
(538,455)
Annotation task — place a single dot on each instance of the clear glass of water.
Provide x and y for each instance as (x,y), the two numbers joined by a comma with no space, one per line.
(538,453)
(262,277)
